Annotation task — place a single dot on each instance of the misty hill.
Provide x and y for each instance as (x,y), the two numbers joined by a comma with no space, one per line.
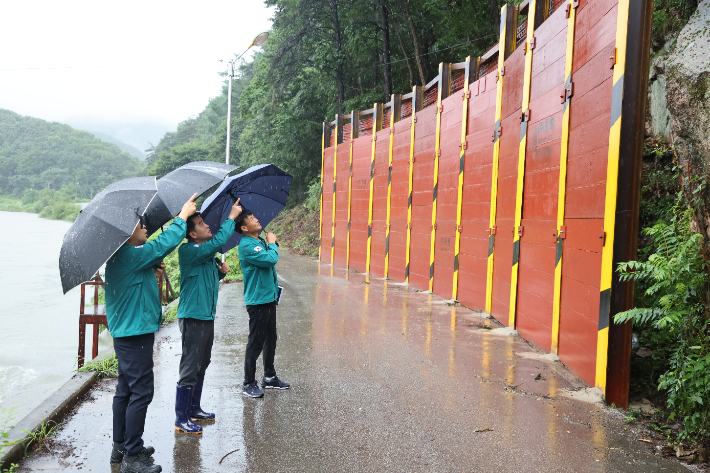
(124,146)
(36,154)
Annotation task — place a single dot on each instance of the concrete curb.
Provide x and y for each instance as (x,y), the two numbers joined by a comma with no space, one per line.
(54,408)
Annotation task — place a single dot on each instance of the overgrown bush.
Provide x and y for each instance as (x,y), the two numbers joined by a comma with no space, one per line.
(673,304)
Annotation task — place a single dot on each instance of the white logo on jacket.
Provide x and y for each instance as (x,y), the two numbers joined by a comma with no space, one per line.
(257,248)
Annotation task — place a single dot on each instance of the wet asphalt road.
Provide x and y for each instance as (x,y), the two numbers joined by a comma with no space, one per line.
(384,378)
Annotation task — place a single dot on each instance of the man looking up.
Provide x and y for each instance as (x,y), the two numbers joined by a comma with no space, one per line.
(199,288)
(133,313)
(258,259)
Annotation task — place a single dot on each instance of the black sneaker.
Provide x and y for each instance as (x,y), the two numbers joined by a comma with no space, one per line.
(118,451)
(252,390)
(139,464)
(273,383)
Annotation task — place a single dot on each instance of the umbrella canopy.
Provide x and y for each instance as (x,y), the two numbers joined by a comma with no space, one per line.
(263,190)
(102,227)
(175,188)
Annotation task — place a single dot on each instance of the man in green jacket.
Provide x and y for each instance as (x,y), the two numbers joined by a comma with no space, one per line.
(199,287)
(134,314)
(258,258)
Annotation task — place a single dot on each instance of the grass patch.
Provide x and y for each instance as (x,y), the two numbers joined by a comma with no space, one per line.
(39,438)
(106,367)
(171,314)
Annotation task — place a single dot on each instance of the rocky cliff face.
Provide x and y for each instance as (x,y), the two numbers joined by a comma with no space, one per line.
(678,109)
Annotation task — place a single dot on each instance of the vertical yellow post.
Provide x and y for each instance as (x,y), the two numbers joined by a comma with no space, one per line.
(395,113)
(376,126)
(354,133)
(612,178)
(322,164)
(338,138)
(444,87)
(562,188)
(507,12)
(416,105)
(533,14)
(462,154)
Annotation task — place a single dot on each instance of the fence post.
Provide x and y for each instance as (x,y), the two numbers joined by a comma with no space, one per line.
(354,133)
(417,103)
(322,163)
(395,115)
(338,139)
(468,75)
(376,126)
(444,90)
(506,46)
(537,11)
(562,186)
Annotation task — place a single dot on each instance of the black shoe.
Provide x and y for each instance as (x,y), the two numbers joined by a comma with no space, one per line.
(252,390)
(273,383)
(139,464)
(118,451)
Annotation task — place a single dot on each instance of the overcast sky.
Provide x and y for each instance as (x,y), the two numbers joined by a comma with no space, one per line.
(132,69)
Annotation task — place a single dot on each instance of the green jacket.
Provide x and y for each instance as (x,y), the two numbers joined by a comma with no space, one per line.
(258,260)
(199,276)
(132,301)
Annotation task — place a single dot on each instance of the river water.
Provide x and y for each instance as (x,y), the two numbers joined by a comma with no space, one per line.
(39,326)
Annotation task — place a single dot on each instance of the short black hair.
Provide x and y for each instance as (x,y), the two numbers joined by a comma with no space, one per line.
(191,224)
(240,219)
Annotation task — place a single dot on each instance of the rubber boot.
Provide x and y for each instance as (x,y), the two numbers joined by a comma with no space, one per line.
(183,399)
(196,411)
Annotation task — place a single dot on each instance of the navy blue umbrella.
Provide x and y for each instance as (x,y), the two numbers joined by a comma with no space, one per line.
(263,190)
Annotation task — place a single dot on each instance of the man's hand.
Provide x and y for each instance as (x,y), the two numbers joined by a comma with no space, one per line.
(189,208)
(270,238)
(236,210)
(224,269)
(159,271)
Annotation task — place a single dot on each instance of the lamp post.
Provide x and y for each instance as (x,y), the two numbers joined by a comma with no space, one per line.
(258,41)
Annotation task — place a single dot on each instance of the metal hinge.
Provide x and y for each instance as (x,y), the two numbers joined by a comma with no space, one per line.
(414,120)
(409,226)
(531,43)
(459,228)
(612,59)
(467,95)
(374,137)
(433,227)
(569,7)
(525,117)
(464,145)
(438,152)
(520,230)
(563,232)
(391,129)
(493,230)
(502,71)
(602,237)
(567,92)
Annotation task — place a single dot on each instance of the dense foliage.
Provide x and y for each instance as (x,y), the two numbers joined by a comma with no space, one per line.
(36,154)
(325,57)
(672,314)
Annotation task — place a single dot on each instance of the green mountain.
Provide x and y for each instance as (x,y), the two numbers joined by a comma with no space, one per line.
(132,150)
(36,154)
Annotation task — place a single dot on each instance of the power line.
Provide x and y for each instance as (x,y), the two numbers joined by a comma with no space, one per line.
(440,50)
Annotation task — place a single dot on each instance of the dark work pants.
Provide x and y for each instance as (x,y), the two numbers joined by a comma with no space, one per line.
(134,391)
(262,336)
(197,339)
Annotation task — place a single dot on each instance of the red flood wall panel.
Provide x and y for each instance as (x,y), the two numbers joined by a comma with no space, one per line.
(422,193)
(379,204)
(360,202)
(327,221)
(475,216)
(447,195)
(341,205)
(507,184)
(590,113)
(400,197)
(541,183)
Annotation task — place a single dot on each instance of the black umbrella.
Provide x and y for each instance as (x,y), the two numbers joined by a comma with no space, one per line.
(263,189)
(175,188)
(102,227)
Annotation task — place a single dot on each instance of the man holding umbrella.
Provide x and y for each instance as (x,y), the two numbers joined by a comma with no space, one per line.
(134,314)
(199,288)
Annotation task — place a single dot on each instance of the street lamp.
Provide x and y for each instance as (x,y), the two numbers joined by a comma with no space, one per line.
(258,41)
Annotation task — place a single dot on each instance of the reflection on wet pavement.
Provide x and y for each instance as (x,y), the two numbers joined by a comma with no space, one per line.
(385,378)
